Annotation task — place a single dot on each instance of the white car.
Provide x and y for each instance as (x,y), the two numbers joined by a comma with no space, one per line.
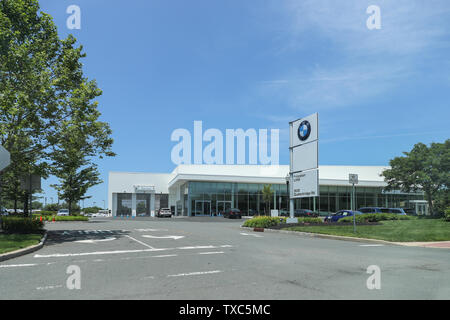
(63,212)
(164,212)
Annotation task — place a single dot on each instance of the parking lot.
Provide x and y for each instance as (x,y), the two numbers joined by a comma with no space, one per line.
(213,258)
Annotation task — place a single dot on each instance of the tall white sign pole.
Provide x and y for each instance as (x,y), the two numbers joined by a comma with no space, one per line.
(291,184)
(304,164)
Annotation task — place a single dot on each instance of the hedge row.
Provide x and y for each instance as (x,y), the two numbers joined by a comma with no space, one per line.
(374,217)
(21,225)
(309,220)
(267,222)
(264,222)
(60,218)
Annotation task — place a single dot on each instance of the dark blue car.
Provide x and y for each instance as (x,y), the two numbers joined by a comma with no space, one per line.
(341,214)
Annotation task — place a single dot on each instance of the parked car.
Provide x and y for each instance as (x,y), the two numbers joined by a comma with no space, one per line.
(399,211)
(252,212)
(232,213)
(305,213)
(373,210)
(164,212)
(63,212)
(284,213)
(341,214)
(410,212)
(4,212)
(100,215)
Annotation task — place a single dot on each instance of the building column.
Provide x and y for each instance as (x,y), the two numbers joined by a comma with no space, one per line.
(133,204)
(114,205)
(275,199)
(152,205)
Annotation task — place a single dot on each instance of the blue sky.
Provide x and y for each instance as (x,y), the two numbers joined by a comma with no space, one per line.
(259,64)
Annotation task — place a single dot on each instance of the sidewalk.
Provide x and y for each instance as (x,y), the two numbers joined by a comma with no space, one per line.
(438,244)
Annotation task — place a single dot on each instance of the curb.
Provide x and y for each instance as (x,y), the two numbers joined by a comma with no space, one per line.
(327,236)
(21,252)
(345,238)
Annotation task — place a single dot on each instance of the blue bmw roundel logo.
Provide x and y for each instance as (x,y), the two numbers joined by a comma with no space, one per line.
(304,130)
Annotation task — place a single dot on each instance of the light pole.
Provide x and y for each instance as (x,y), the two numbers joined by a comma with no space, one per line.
(353,179)
(104,204)
(290,201)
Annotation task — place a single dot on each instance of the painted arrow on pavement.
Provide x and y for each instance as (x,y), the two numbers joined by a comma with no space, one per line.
(163,237)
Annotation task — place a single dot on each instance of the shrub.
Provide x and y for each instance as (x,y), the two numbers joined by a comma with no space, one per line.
(447,214)
(309,220)
(44,213)
(374,217)
(264,222)
(21,225)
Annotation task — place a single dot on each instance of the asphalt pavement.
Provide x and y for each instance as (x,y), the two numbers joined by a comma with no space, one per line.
(213,258)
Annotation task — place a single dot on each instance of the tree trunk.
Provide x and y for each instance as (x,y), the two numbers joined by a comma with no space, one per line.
(430,202)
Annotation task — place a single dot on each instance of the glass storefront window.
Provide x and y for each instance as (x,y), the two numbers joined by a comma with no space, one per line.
(124,204)
(142,204)
(248,198)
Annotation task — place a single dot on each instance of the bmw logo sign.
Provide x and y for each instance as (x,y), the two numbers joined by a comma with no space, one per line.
(304,130)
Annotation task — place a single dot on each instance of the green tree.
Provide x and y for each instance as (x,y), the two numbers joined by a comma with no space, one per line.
(267,194)
(29,48)
(82,139)
(424,169)
(44,98)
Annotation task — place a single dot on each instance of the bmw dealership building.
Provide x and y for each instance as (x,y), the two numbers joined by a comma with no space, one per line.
(206,190)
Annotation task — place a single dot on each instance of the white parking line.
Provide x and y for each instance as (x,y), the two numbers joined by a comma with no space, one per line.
(61,255)
(49,287)
(213,252)
(254,235)
(194,273)
(18,265)
(371,245)
(95,241)
(144,244)
(165,256)
(163,237)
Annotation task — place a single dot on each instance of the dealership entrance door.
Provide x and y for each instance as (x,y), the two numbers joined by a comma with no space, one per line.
(223,206)
(202,208)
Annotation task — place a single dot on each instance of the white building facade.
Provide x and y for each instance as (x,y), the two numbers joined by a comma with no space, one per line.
(198,190)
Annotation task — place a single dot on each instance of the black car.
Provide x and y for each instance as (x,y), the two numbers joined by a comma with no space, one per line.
(305,213)
(232,213)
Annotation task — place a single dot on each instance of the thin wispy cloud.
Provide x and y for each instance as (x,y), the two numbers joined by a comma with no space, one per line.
(369,137)
(362,63)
